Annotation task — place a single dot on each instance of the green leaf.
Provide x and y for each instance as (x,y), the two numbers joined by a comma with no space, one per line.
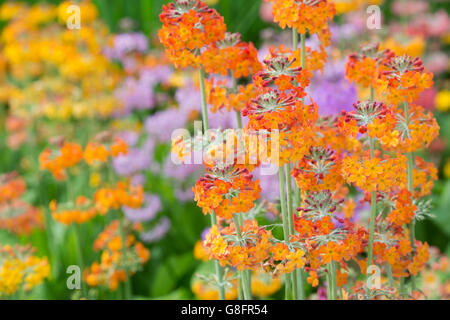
(442,212)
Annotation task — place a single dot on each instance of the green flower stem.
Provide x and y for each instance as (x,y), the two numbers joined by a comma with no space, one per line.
(287,170)
(297,274)
(389,273)
(203,93)
(294,39)
(80,259)
(409,173)
(329,285)
(219,271)
(373,211)
(127,284)
(243,274)
(239,119)
(373,204)
(332,284)
(284,214)
(240,292)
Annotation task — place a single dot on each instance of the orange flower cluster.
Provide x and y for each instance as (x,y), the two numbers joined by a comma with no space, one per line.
(188,27)
(105,199)
(403,79)
(99,153)
(377,174)
(58,160)
(123,194)
(305,15)
(399,254)
(286,259)
(424,175)
(366,67)
(404,210)
(323,239)
(113,265)
(11,187)
(19,217)
(319,170)
(82,211)
(280,106)
(226,191)
(231,56)
(220,96)
(244,250)
(16,215)
(405,134)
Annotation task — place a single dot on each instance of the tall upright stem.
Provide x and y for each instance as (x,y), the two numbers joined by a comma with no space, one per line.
(373,204)
(127,284)
(243,274)
(79,257)
(287,170)
(409,174)
(219,271)
(332,281)
(285,219)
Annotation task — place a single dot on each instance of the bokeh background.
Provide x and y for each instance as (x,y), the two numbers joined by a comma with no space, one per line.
(147,99)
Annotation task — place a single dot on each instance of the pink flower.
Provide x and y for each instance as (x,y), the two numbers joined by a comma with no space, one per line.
(437,62)
(426,98)
(266,12)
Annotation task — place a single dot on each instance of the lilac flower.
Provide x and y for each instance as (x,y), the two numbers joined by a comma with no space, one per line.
(130,137)
(135,94)
(126,43)
(157,74)
(180,172)
(158,232)
(162,124)
(188,98)
(137,159)
(184,195)
(332,91)
(152,204)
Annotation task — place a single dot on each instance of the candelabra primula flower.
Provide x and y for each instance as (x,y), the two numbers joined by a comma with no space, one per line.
(305,15)
(80,211)
(20,217)
(12,186)
(220,96)
(188,27)
(114,261)
(57,160)
(285,258)
(319,170)
(96,152)
(226,191)
(403,79)
(123,194)
(246,249)
(376,174)
(20,268)
(231,56)
(405,133)
(366,67)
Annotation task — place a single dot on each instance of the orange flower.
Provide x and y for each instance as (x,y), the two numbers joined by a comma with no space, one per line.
(188,27)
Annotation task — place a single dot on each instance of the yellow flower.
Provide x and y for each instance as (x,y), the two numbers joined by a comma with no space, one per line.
(447,169)
(443,101)
(95,179)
